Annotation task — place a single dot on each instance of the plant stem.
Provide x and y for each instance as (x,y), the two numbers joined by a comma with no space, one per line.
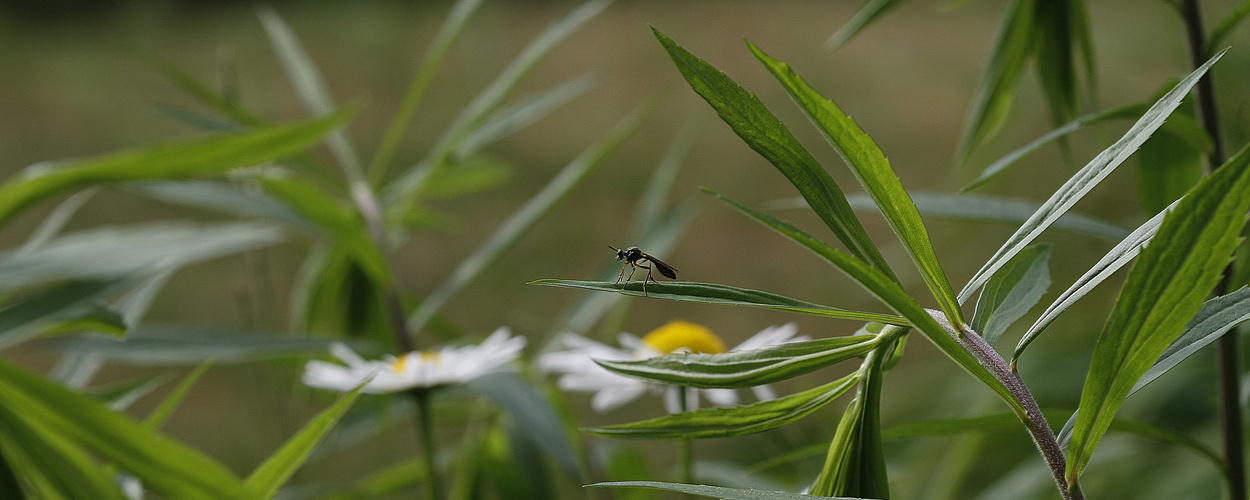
(1229,344)
(425,434)
(685,447)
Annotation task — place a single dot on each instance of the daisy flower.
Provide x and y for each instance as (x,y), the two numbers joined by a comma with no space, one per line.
(579,372)
(414,370)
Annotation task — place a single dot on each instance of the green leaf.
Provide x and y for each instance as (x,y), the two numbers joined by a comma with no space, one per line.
(893,295)
(208,156)
(765,134)
(399,193)
(1162,292)
(50,465)
(430,61)
(751,368)
(278,468)
(222,197)
(855,464)
(732,420)
(1227,25)
(55,222)
(533,418)
(716,491)
(475,174)
(166,467)
(189,346)
(867,13)
(527,215)
(1116,258)
(105,253)
(1088,177)
(993,99)
(873,170)
(517,116)
(1055,42)
(203,92)
(1011,292)
(162,412)
(1167,167)
(44,311)
(711,293)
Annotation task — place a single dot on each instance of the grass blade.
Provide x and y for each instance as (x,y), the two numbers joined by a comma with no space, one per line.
(1161,294)
(867,13)
(1011,292)
(1226,26)
(1088,177)
(728,421)
(873,170)
(162,412)
(520,115)
(62,303)
(711,293)
(765,134)
(50,465)
(993,99)
(716,491)
(209,156)
(527,215)
(278,468)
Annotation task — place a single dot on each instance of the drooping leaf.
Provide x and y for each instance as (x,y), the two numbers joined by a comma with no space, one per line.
(746,368)
(1011,292)
(875,174)
(997,90)
(278,468)
(1088,177)
(527,215)
(1163,291)
(200,157)
(765,134)
(711,293)
(717,491)
(730,421)
(1167,168)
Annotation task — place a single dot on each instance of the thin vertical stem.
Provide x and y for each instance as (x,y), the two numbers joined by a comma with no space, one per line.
(1229,345)
(425,434)
(685,447)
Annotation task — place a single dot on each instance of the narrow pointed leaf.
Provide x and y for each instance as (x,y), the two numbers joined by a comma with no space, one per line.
(222,197)
(527,215)
(873,170)
(55,222)
(38,313)
(1055,43)
(997,90)
(520,115)
(1227,25)
(736,369)
(867,13)
(187,346)
(209,156)
(730,421)
(711,293)
(1088,177)
(1011,292)
(165,466)
(1163,291)
(49,465)
(1116,258)
(855,463)
(1167,167)
(893,295)
(162,412)
(717,491)
(765,134)
(278,468)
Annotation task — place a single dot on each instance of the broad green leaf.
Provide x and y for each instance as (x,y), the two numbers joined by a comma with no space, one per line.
(199,157)
(736,369)
(1167,168)
(873,170)
(187,346)
(1011,292)
(867,13)
(309,87)
(716,491)
(1162,292)
(977,207)
(533,418)
(1227,25)
(222,197)
(855,463)
(527,215)
(105,253)
(893,295)
(1180,125)
(711,293)
(765,134)
(50,465)
(517,116)
(1116,258)
(278,468)
(1089,176)
(166,467)
(730,421)
(992,102)
(399,192)
(44,311)
(162,412)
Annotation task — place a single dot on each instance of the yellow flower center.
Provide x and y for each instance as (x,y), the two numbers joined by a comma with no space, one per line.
(426,356)
(685,337)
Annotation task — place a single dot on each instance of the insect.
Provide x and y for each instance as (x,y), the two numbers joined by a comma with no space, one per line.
(632,256)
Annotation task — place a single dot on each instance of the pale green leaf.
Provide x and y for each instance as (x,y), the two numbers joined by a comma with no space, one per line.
(187,346)
(1011,292)
(716,491)
(44,311)
(163,411)
(855,463)
(278,468)
(867,13)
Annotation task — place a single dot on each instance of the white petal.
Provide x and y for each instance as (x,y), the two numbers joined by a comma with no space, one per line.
(773,335)
(721,397)
(764,393)
(608,400)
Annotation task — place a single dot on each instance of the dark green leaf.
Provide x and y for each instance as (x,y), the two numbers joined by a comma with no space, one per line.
(993,99)
(710,293)
(734,420)
(49,464)
(855,464)
(278,468)
(1055,45)
(1011,292)
(764,133)
(46,310)
(1167,167)
(716,491)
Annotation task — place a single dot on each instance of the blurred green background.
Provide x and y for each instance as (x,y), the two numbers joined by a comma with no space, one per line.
(73,82)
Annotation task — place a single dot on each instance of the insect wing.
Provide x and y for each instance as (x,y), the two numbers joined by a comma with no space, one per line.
(663,268)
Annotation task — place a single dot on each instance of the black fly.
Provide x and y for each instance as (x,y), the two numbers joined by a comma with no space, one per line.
(633,257)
